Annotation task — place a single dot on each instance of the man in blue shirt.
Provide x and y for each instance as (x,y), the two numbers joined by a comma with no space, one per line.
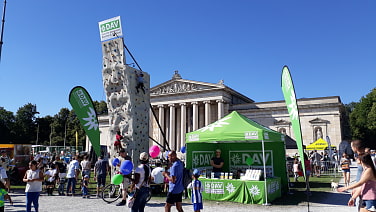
(175,178)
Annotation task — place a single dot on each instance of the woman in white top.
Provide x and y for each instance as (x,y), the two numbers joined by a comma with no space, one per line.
(34,178)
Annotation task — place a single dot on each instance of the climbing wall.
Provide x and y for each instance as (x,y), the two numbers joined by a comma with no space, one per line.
(128,109)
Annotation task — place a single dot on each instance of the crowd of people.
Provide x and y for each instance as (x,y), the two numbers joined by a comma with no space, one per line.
(56,175)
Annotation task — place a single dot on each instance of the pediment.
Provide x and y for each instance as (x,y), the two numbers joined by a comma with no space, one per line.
(183,86)
(282,122)
(318,121)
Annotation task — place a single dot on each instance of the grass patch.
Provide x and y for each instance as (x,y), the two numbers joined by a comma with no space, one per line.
(320,184)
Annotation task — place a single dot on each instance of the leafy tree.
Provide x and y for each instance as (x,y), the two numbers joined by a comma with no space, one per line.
(25,125)
(7,121)
(363,119)
(101,107)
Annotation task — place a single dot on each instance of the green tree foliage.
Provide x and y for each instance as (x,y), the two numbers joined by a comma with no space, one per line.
(363,119)
(7,121)
(25,126)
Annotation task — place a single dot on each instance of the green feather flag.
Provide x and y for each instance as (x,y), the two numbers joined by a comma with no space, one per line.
(82,105)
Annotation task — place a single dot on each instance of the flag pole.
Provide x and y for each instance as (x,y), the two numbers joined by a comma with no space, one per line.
(2,28)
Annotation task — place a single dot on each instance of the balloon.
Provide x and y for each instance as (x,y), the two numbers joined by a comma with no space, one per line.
(126,167)
(249,161)
(117,179)
(183,149)
(154,151)
(115,162)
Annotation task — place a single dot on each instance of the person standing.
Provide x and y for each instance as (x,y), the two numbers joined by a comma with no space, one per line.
(175,178)
(61,166)
(123,156)
(33,179)
(345,166)
(5,162)
(100,173)
(217,163)
(72,175)
(86,167)
(316,158)
(51,175)
(85,187)
(366,185)
(197,189)
(308,170)
(358,147)
(296,169)
(141,183)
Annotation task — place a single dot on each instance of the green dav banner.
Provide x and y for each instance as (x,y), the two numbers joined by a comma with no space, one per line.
(292,107)
(83,106)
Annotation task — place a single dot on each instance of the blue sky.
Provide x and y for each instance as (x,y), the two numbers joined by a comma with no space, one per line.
(51,46)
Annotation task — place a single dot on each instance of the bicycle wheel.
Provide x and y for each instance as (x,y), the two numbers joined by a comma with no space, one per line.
(111,193)
(149,197)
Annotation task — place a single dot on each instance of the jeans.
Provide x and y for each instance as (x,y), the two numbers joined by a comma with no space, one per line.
(32,197)
(71,182)
(140,201)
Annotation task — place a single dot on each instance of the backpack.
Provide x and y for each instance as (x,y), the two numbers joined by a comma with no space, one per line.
(187,177)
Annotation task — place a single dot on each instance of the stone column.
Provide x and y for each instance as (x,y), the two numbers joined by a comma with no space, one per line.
(161,120)
(183,123)
(195,116)
(221,109)
(207,113)
(172,127)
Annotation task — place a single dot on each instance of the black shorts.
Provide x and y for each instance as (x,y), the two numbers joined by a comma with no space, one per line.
(173,198)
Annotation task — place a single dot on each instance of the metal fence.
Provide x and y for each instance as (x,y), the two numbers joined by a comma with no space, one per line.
(329,168)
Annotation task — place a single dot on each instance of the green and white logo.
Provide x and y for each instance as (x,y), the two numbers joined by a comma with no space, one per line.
(110,28)
(201,159)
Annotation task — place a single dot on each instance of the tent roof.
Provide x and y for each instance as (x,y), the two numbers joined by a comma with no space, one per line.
(320,144)
(234,127)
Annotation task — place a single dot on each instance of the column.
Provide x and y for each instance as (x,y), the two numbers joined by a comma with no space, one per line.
(172,127)
(221,109)
(207,113)
(195,116)
(161,122)
(183,123)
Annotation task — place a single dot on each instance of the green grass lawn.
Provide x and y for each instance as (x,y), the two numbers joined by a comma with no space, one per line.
(322,183)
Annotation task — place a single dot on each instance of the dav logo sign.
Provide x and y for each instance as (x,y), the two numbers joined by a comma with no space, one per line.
(201,159)
(238,158)
(214,188)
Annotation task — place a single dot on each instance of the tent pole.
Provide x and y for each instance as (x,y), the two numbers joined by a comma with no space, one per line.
(264,162)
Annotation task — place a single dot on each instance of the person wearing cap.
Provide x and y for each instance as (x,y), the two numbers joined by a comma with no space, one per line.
(123,156)
(175,186)
(141,183)
(217,163)
(84,187)
(197,189)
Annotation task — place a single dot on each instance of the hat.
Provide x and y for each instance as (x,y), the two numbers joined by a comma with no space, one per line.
(196,172)
(218,150)
(144,156)
(86,176)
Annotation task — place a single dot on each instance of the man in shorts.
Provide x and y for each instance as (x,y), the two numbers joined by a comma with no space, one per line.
(100,173)
(175,178)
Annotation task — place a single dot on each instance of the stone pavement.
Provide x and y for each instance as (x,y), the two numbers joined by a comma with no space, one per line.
(319,202)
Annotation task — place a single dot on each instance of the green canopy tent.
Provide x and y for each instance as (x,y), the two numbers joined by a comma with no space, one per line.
(239,138)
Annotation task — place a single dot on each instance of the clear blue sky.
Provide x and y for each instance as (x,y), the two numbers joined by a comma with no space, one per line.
(51,46)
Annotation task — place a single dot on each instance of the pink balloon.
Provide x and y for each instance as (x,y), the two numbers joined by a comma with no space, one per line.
(154,151)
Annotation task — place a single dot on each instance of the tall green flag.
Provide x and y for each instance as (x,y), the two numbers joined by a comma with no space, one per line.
(292,107)
(82,105)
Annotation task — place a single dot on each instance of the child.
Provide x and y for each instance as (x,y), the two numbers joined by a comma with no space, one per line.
(296,169)
(196,191)
(3,196)
(84,189)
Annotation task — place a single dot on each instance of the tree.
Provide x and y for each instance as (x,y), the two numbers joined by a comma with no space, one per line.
(7,121)
(25,124)
(101,107)
(363,119)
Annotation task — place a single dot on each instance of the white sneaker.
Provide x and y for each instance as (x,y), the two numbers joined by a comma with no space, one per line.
(372,208)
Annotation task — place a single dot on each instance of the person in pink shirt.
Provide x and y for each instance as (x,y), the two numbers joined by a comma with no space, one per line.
(367,183)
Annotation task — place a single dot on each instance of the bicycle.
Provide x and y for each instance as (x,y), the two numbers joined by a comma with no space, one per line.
(111,193)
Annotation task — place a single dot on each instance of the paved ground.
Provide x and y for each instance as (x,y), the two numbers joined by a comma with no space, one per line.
(318,202)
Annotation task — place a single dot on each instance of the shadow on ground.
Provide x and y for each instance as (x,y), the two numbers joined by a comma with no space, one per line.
(297,195)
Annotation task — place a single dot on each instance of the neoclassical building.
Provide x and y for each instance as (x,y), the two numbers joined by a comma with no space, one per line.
(180,106)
